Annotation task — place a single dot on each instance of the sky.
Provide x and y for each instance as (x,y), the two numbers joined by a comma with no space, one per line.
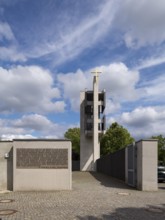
(48,49)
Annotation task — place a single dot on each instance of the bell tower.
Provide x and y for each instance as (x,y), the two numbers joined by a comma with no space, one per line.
(92,124)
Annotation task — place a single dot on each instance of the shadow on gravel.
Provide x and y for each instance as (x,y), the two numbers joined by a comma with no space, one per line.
(161,187)
(109,181)
(145,213)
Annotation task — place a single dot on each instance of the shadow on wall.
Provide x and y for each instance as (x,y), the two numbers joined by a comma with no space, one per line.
(148,212)
(75,165)
(10,171)
(113,164)
(109,181)
(161,187)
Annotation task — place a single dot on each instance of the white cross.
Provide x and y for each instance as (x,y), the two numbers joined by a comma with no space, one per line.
(96,73)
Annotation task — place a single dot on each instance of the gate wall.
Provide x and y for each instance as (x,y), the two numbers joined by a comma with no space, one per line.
(131,165)
(113,164)
(136,165)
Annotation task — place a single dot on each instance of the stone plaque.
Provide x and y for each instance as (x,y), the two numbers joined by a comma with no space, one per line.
(38,158)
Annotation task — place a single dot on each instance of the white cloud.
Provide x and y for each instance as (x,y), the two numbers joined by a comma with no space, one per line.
(6,32)
(118,81)
(140,117)
(111,106)
(9,52)
(154,90)
(150,62)
(68,35)
(28,89)
(34,122)
(72,84)
(16,136)
(7,131)
(65,40)
(142,22)
(144,122)
(31,126)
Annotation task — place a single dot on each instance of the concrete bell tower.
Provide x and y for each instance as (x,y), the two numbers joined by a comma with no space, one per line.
(92,125)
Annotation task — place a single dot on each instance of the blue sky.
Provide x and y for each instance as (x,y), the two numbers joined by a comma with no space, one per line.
(48,49)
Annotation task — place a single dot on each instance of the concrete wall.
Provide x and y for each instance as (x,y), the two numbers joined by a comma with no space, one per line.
(113,164)
(6,166)
(136,165)
(147,165)
(29,179)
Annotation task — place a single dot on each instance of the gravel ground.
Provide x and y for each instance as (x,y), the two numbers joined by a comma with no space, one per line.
(94,196)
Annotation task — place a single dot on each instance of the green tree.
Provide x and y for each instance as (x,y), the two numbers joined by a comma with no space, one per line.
(74,135)
(161,148)
(115,138)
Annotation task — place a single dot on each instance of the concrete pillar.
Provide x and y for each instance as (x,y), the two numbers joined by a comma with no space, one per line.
(6,165)
(147,165)
(86,143)
(96,147)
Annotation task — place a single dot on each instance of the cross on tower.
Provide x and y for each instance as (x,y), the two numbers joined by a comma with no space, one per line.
(96,74)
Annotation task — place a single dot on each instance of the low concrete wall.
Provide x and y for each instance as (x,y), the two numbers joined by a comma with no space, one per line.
(31,172)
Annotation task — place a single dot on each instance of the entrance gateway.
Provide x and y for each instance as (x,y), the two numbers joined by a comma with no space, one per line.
(136,164)
(45,164)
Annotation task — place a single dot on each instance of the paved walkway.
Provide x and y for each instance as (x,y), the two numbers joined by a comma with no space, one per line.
(94,196)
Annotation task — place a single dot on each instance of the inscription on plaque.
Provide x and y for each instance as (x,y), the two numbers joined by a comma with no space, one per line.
(37,158)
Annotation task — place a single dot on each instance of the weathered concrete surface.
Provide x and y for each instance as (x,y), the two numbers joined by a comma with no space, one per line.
(31,179)
(94,196)
(147,165)
(6,166)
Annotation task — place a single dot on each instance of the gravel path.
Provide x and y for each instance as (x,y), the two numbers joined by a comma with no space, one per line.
(94,196)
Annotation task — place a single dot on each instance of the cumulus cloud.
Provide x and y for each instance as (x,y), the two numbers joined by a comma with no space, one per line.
(72,84)
(31,126)
(10,137)
(34,122)
(118,81)
(28,89)
(7,131)
(111,106)
(140,117)
(143,122)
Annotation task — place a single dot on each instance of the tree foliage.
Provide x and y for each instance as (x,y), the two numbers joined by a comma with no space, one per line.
(74,135)
(115,138)
(161,148)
